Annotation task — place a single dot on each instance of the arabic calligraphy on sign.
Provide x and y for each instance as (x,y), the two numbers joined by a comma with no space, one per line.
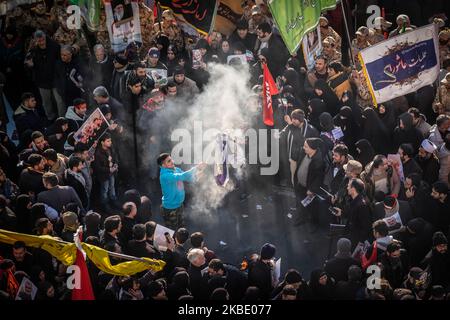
(391,70)
(293,23)
(190,7)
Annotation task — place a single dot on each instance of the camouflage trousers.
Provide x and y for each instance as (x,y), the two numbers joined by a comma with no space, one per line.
(173,218)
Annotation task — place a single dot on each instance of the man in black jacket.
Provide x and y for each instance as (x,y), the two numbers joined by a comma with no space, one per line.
(410,165)
(296,132)
(139,247)
(308,178)
(357,214)
(235,280)
(395,265)
(56,196)
(109,237)
(30,180)
(105,167)
(260,270)
(335,174)
(76,114)
(428,161)
(129,212)
(198,286)
(438,260)
(242,35)
(41,59)
(69,79)
(27,116)
(74,178)
(338,266)
(272,48)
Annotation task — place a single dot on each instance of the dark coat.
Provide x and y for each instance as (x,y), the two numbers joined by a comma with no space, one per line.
(409,134)
(411,166)
(236,282)
(249,41)
(418,244)
(117,86)
(106,240)
(44,64)
(338,267)
(430,168)
(77,185)
(198,286)
(359,217)
(28,119)
(439,265)
(277,55)
(101,163)
(141,249)
(395,272)
(180,256)
(349,290)
(63,83)
(31,180)
(438,215)
(318,291)
(60,196)
(296,138)
(126,233)
(259,275)
(315,172)
(101,72)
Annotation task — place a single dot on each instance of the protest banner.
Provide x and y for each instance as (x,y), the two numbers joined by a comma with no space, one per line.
(92,129)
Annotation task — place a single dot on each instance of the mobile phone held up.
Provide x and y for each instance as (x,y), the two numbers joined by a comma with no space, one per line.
(333,210)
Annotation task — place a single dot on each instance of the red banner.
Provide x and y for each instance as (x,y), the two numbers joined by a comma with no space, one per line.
(269,89)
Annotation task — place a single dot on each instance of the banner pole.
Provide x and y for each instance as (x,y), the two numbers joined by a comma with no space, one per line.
(348,33)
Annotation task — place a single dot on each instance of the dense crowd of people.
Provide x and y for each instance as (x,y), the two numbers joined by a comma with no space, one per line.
(385,178)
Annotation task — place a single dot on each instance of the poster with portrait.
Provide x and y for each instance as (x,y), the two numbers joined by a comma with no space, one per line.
(197,59)
(312,47)
(123,24)
(237,59)
(158,75)
(27,290)
(92,129)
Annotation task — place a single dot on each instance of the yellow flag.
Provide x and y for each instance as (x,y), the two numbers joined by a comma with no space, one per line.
(66,253)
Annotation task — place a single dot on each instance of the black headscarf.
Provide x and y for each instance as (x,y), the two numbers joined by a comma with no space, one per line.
(366,152)
(346,121)
(328,96)
(321,292)
(24,223)
(388,118)
(375,131)
(318,107)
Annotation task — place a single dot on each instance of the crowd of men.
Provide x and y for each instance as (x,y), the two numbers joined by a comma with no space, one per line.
(395,214)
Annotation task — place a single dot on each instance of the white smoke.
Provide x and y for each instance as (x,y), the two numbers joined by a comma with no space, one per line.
(223,107)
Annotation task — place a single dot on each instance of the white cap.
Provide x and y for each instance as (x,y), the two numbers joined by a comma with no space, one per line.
(428,146)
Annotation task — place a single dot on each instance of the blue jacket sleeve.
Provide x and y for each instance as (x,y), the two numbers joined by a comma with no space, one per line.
(179,175)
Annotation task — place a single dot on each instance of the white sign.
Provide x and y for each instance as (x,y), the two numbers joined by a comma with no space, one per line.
(159,239)
(312,47)
(241,57)
(337,133)
(397,163)
(27,290)
(394,222)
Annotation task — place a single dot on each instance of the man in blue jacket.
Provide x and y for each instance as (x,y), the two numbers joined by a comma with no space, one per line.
(171,179)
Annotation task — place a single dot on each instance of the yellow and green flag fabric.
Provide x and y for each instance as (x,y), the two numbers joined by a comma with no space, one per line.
(295,18)
(66,253)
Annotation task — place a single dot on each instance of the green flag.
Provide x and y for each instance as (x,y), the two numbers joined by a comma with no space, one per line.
(294,18)
(90,11)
